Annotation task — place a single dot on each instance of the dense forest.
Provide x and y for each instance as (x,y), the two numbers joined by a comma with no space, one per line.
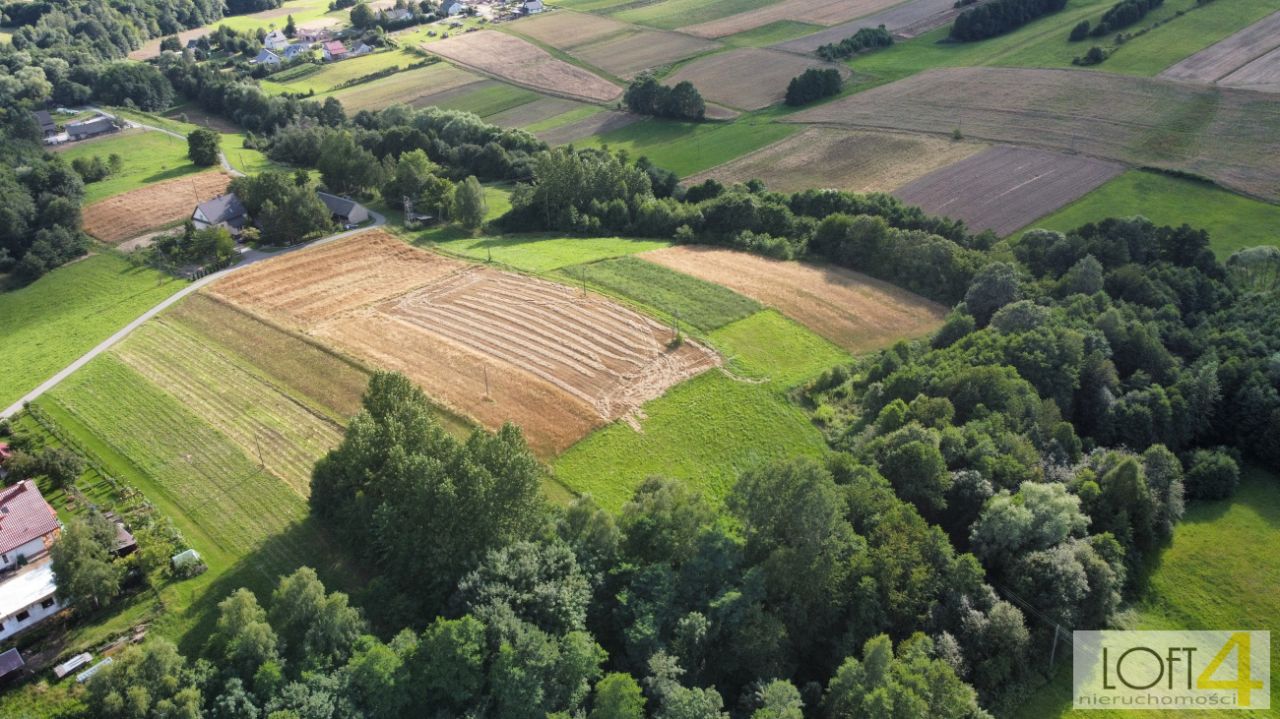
(1001,16)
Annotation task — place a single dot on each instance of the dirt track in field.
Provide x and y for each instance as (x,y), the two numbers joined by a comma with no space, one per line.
(1005,188)
(1229,135)
(1249,59)
(850,309)
(596,124)
(747,78)
(852,160)
(906,20)
(816,12)
(520,62)
(490,345)
(134,212)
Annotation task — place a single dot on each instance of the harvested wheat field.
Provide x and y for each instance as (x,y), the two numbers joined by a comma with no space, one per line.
(520,62)
(1231,136)
(1005,188)
(1226,59)
(747,78)
(553,361)
(419,87)
(564,29)
(851,310)
(134,212)
(853,160)
(815,12)
(597,124)
(906,20)
(631,54)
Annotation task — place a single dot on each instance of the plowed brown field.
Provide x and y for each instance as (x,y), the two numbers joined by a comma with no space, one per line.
(1241,60)
(491,345)
(131,213)
(852,310)
(520,62)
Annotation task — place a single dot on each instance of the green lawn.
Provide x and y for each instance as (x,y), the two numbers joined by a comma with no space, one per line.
(688,148)
(148,157)
(772,33)
(541,254)
(670,294)
(301,10)
(62,315)
(1217,574)
(232,143)
(333,74)
(708,430)
(1233,221)
(671,14)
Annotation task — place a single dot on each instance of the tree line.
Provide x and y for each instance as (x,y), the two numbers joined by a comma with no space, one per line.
(999,17)
(865,39)
(646,96)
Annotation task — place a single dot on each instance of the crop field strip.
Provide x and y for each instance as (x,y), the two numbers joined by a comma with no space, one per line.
(1231,136)
(543,254)
(520,62)
(849,309)
(904,20)
(672,14)
(418,87)
(852,160)
(816,12)
(1245,58)
(131,213)
(564,29)
(330,75)
(1004,188)
(687,148)
(631,53)
(590,126)
(531,113)
(747,78)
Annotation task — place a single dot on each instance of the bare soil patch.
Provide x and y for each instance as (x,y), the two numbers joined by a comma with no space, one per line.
(1005,188)
(1229,135)
(419,87)
(852,160)
(520,62)
(747,78)
(596,124)
(531,112)
(817,12)
(131,213)
(1218,61)
(850,309)
(630,54)
(905,20)
(491,345)
(564,29)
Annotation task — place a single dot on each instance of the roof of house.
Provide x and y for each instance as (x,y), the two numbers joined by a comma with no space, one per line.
(398,14)
(341,206)
(447,5)
(44,118)
(297,47)
(335,47)
(10,662)
(24,515)
(265,55)
(224,208)
(533,4)
(276,35)
(27,587)
(100,123)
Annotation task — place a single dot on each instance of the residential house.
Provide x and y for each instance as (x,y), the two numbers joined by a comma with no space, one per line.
(344,209)
(92,127)
(334,50)
(531,7)
(27,598)
(47,126)
(451,8)
(28,525)
(296,50)
(319,34)
(193,44)
(266,57)
(275,41)
(224,211)
(125,543)
(361,49)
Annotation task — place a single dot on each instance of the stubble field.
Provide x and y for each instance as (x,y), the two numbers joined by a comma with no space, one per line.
(630,54)
(523,63)
(817,12)
(131,213)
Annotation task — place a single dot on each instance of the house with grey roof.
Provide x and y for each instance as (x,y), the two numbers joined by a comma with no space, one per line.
(92,127)
(276,41)
(344,209)
(266,57)
(451,8)
(224,211)
(295,50)
(531,7)
(47,126)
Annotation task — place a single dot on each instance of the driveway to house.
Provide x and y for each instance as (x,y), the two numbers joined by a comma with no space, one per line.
(247,258)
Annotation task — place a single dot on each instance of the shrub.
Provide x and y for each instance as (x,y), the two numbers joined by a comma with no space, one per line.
(813,84)
(1080,31)
(867,38)
(1212,474)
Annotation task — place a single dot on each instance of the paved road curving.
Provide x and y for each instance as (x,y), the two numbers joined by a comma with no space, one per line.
(248,258)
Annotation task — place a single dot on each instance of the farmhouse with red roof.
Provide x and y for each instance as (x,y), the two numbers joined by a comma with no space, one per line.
(28,525)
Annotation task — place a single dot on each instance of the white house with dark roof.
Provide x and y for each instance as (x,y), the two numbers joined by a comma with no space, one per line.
(451,7)
(295,50)
(275,41)
(27,598)
(223,211)
(266,57)
(28,525)
(344,209)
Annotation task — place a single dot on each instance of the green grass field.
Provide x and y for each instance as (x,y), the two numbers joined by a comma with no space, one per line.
(1217,574)
(542,254)
(232,143)
(708,430)
(703,305)
(689,148)
(62,315)
(1182,37)
(574,115)
(772,33)
(1233,221)
(148,157)
(333,74)
(490,99)
(671,14)
(301,10)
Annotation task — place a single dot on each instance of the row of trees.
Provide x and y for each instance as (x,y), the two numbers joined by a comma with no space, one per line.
(1119,16)
(1000,16)
(813,84)
(647,96)
(864,40)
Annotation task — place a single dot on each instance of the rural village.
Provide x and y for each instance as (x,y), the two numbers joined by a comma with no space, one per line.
(630,359)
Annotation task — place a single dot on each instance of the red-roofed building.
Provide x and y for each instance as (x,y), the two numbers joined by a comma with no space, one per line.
(334,50)
(28,525)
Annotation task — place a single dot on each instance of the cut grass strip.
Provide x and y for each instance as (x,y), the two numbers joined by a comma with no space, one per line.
(542,254)
(769,346)
(687,148)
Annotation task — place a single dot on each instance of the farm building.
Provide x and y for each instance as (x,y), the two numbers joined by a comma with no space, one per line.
(47,125)
(27,598)
(344,209)
(334,50)
(11,664)
(451,8)
(28,525)
(90,128)
(266,57)
(319,34)
(531,7)
(361,49)
(296,49)
(275,41)
(223,211)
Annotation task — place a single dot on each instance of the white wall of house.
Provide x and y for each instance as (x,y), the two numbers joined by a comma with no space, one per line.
(29,550)
(34,614)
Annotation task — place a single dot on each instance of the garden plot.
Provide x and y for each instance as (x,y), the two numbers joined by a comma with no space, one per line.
(131,213)
(850,309)
(747,78)
(520,62)
(906,20)
(817,12)
(1006,187)
(630,54)
(852,160)
(1249,58)
(494,346)
(419,87)
(1231,136)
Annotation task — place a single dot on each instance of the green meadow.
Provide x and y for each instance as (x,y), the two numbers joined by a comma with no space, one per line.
(542,254)
(687,148)
(147,157)
(331,75)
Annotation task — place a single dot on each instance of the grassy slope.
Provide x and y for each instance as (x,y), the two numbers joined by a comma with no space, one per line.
(703,305)
(688,148)
(1233,221)
(148,157)
(490,99)
(333,74)
(540,254)
(708,430)
(64,314)
(772,33)
(232,143)
(1217,574)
